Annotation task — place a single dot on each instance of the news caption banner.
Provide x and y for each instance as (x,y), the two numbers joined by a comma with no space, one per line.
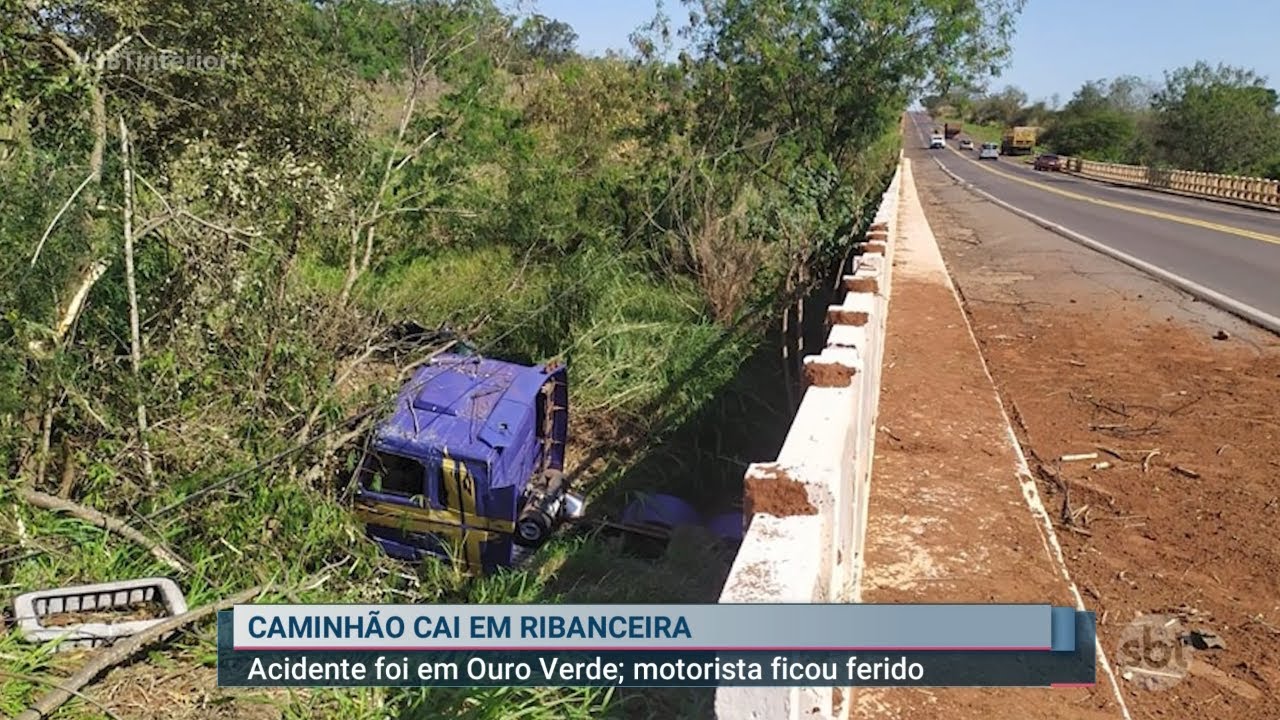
(656,645)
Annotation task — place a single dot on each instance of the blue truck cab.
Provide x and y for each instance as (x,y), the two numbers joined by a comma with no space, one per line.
(469,464)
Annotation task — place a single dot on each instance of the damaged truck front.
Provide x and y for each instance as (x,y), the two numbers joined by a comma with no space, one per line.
(469,465)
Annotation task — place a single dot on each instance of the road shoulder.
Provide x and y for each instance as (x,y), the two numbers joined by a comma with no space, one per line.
(948,517)
(1177,515)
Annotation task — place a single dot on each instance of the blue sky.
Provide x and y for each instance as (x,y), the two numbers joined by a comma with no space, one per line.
(1060,44)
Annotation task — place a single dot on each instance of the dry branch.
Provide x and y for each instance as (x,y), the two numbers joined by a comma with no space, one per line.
(1146,461)
(71,313)
(102,520)
(68,471)
(121,651)
(131,285)
(53,223)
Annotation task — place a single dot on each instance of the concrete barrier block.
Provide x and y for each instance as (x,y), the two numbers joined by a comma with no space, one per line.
(815,448)
(820,449)
(755,703)
(780,561)
(868,266)
(874,262)
(862,302)
(864,267)
(774,703)
(848,336)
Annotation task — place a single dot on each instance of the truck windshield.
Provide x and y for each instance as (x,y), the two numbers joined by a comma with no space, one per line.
(392,474)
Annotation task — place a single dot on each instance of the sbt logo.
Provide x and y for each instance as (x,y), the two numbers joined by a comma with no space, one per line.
(1153,652)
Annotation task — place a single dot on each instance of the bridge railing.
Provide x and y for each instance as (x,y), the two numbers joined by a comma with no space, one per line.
(808,508)
(1237,188)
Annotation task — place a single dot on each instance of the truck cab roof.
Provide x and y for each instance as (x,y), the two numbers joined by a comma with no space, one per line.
(469,407)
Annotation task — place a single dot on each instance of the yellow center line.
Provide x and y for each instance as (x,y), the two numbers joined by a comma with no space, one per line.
(1229,229)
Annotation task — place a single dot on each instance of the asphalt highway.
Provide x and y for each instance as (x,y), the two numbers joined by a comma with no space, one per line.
(1232,250)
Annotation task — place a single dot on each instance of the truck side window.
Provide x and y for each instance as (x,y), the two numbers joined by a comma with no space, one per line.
(394,474)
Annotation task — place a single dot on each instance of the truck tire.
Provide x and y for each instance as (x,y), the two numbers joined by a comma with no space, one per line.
(532,529)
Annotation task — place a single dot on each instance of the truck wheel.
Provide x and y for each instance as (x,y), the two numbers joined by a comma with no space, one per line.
(532,529)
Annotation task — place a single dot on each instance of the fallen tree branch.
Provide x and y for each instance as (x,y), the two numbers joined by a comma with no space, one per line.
(71,313)
(131,287)
(125,649)
(108,523)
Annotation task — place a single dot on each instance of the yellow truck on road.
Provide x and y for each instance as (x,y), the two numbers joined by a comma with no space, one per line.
(1019,140)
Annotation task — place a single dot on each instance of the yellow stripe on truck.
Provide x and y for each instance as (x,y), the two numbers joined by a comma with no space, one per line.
(1217,227)
(395,516)
(420,520)
(460,497)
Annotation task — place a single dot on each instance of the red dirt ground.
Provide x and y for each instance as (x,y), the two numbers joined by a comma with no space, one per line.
(1092,357)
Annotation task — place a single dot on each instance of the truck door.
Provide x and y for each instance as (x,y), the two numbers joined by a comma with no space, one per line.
(479,540)
(391,488)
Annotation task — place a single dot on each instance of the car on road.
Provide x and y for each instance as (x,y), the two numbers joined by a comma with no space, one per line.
(966,144)
(937,141)
(989,151)
(1048,162)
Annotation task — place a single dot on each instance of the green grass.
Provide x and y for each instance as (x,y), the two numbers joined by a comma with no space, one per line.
(979,133)
(666,398)
(638,347)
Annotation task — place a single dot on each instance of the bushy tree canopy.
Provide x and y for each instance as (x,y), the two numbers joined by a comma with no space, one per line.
(1217,119)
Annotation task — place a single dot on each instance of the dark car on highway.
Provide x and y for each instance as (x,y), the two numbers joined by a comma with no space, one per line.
(1048,162)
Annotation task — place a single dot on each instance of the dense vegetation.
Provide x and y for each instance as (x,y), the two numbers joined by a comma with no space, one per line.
(216,214)
(1219,119)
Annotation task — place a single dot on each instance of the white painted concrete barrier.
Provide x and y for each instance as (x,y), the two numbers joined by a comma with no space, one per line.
(808,508)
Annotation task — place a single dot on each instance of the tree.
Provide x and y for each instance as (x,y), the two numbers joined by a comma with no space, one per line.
(1130,93)
(1000,108)
(1036,114)
(956,101)
(542,38)
(836,73)
(783,105)
(1217,119)
(368,35)
(1099,122)
(1103,134)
